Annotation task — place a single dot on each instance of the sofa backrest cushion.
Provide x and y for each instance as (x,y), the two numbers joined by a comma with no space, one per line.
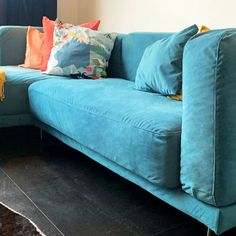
(208,151)
(128,51)
(13,44)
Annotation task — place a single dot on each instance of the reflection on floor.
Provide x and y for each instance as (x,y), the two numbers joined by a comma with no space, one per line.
(66,193)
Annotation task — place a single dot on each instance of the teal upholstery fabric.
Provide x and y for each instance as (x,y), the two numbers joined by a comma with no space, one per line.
(217,219)
(128,51)
(110,117)
(14,110)
(137,134)
(208,163)
(160,69)
(16,91)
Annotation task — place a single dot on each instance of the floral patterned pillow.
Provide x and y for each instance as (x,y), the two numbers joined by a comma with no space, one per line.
(80,52)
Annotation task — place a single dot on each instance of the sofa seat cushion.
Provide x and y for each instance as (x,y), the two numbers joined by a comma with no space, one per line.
(137,130)
(16,86)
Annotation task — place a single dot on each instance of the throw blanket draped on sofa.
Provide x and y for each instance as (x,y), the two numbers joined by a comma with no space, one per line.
(2,80)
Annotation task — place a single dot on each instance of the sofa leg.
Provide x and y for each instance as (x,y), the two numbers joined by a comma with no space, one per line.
(209,232)
(41,134)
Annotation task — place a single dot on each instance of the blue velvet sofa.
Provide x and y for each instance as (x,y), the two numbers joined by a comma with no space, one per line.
(158,143)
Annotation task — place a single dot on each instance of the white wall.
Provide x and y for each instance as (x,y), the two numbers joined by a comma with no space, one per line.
(149,15)
(73,11)
(67,10)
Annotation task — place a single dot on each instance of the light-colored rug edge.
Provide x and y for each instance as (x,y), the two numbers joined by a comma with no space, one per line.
(18,213)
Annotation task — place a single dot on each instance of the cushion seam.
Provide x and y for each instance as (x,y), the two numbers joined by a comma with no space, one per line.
(132,125)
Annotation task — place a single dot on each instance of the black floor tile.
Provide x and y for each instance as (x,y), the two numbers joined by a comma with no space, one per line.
(83,198)
(15,199)
(191,228)
(63,177)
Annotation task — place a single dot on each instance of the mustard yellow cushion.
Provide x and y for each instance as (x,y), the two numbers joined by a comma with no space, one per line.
(203,29)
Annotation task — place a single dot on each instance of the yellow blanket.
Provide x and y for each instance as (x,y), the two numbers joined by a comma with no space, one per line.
(2,80)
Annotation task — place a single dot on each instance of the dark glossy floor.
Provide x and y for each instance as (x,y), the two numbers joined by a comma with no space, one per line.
(66,193)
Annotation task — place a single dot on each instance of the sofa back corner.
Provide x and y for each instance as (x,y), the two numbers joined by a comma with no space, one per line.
(13,44)
(127,53)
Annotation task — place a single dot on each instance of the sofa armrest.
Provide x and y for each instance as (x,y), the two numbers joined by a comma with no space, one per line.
(208,145)
(12,45)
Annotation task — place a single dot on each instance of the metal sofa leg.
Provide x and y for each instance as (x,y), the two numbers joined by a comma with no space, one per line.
(41,134)
(41,142)
(209,232)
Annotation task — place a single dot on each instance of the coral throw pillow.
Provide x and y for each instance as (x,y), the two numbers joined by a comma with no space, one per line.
(34,49)
(91,25)
(48,28)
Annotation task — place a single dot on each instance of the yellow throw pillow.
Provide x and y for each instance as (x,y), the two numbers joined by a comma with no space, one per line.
(203,29)
(176,97)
